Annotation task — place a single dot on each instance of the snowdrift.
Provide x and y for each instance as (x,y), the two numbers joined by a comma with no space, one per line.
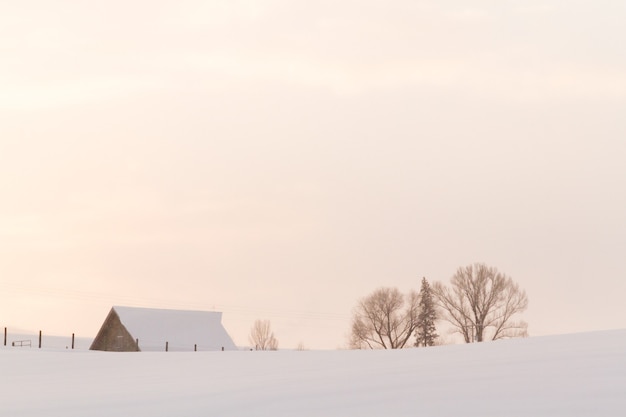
(568,375)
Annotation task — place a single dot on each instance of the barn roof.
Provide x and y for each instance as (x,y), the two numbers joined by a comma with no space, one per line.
(182,329)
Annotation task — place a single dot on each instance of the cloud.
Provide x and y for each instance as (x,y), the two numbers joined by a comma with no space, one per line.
(323,46)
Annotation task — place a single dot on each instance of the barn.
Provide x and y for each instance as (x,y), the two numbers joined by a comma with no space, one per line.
(132,329)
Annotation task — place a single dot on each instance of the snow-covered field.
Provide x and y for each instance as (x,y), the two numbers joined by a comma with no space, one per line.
(568,375)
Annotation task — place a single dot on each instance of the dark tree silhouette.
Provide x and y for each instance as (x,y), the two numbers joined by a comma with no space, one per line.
(386,319)
(481,302)
(426,330)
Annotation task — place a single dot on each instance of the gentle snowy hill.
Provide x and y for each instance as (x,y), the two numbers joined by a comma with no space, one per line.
(569,375)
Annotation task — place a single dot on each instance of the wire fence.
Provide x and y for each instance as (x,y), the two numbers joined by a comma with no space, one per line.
(42,341)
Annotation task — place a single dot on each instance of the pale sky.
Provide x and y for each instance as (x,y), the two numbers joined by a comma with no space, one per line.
(281,159)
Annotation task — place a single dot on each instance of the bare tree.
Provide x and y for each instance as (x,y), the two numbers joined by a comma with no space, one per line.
(385,319)
(481,302)
(262,337)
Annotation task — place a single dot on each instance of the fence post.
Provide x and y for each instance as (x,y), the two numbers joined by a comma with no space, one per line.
(39,339)
(137,344)
(5,336)
(167,346)
(222,348)
(195,348)
(72,340)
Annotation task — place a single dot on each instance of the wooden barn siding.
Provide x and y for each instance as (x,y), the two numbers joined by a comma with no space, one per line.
(114,337)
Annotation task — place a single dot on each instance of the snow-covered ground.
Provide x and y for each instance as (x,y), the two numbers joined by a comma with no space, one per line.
(26,340)
(567,375)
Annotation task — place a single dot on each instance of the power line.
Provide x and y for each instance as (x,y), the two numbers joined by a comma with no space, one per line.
(161,303)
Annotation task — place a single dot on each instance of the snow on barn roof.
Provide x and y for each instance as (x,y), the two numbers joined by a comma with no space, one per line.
(182,329)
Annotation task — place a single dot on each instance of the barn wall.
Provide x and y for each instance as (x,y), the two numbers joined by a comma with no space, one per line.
(113,336)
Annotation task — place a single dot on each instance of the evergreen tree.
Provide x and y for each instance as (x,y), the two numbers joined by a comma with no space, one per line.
(425,334)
